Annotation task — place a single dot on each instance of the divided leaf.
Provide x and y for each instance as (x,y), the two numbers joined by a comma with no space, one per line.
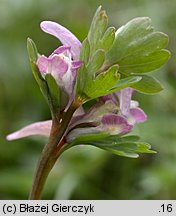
(126,82)
(96,62)
(129,149)
(93,52)
(148,85)
(85,51)
(97,28)
(108,39)
(102,83)
(137,48)
(128,146)
(143,63)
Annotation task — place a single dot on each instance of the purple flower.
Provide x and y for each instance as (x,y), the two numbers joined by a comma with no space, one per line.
(115,124)
(127,107)
(38,128)
(114,114)
(63,63)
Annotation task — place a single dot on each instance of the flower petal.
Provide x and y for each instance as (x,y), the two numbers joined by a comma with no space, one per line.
(61,49)
(134,104)
(75,66)
(42,64)
(110,97)
(64,35)
(95,113)
(115,124)
(35,129)
(137,115)
(124,96)
(57,67)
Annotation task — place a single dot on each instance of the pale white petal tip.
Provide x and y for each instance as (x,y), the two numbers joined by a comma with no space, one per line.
(12,136)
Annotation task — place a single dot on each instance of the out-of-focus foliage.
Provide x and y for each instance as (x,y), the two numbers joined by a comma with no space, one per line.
(82,172)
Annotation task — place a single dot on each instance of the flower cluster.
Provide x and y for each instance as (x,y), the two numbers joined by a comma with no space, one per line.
(106,69)
(114,114)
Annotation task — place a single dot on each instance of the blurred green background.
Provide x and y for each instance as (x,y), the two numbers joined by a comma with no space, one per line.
(82,172)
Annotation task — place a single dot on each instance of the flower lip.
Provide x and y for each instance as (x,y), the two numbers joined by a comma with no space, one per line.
(124,96)
(34,129)
(116,124)
(137,115)
(64,35)
(61,49)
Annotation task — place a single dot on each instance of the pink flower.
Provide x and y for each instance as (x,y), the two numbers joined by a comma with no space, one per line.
(63,63)
(114,114)
(127,107)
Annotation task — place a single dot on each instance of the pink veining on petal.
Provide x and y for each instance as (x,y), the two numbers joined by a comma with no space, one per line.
(35,129)
(75,66)
(124,96)
(94,114)
(61,49)
(116,124)
(58,66)
(42,64)
(109,97)
(137,115)
(64,35)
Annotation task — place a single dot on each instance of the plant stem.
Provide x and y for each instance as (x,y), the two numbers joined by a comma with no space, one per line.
(48,159)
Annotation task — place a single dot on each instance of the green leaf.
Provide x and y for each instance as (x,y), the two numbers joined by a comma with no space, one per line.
(112,140)
(148,85)
(33,55)
(108,39)
(126,82)
(137,48)
(54,93)
(129,149)
(143,147)
(96,62)
(144,63)
(117,139)
(93,52)
(81,80)
(48,86)
(85,51)
(89,138)
(82,73)
(103,83)
(84,139)
(128,146)
(32,50)
(97,28)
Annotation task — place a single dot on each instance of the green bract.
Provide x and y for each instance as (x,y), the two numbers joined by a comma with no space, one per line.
(128,146)
(48,86)
(135,47)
